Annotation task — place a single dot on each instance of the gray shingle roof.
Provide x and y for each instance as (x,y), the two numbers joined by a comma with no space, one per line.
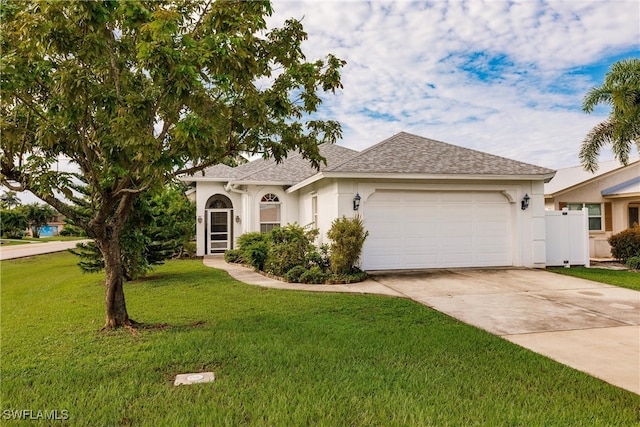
(220,171)
(400,154)
(412,154)
(291,170)
(294,168)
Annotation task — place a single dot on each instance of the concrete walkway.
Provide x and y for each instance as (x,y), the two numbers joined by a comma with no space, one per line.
(31,249)
(251,277)
(589,326)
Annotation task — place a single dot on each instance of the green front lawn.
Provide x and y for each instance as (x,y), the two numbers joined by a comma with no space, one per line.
(623,278)
(281,358)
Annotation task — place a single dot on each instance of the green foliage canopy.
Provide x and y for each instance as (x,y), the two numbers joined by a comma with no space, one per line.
(137,92)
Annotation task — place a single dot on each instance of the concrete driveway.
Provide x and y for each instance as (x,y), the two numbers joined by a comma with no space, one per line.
(589,326)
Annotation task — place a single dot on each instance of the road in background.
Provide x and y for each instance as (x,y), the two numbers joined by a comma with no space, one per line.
(31,249)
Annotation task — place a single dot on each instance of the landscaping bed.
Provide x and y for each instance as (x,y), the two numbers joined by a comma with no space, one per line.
(289,254)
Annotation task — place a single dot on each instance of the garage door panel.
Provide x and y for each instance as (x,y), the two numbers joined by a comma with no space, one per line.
(437,229)
(451,229)
(490,229)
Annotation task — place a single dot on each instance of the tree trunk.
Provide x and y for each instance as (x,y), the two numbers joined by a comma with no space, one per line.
(116,308)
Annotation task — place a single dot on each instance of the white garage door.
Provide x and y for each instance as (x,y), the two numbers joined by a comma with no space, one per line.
(418,229)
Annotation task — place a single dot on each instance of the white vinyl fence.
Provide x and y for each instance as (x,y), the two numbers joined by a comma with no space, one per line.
(567,238)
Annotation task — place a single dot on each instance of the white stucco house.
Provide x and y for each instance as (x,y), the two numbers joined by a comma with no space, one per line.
(611,195)
(425,203)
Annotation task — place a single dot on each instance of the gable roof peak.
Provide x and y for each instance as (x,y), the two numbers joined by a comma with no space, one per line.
(406,153)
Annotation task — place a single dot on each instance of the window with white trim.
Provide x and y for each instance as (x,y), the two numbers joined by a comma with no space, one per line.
(269,212)
(314,211)
(595,214)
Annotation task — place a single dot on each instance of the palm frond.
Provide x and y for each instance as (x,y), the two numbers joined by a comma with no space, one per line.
(599,136)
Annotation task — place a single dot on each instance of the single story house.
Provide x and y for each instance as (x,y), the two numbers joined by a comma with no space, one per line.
(611,195)
(425,203)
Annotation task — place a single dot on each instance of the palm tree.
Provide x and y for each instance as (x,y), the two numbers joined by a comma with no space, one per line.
(621,90)
(9,199)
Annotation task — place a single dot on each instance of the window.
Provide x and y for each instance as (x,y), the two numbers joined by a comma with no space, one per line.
(314,211)
(634,216)
(595,213)
(269,212)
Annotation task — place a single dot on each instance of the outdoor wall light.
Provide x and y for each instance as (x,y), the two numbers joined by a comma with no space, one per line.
(199,219)
(356,202)
(238,219)
(525,201)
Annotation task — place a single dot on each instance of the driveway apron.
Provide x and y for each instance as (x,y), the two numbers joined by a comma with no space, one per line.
(587,325)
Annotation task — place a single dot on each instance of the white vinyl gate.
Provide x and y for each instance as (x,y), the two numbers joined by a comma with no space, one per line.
(567,238)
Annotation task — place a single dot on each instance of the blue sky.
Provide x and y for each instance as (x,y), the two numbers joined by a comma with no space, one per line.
(503,77)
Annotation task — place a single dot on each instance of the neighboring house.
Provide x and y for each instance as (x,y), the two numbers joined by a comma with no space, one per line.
(52,229)
(425,203)
(611,196)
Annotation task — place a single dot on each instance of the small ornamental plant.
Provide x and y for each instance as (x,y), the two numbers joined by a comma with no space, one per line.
(347,239)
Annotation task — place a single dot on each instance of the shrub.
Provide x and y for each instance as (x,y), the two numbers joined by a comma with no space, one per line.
(289,246)
(354,277)
(319,257)
(256,254)
(314,275)
(189,249)
(14,223)
(233,256)
(633,262)
(347,239)
(252,249)
(71,230)
(626,244)
(248,239)
(293,275)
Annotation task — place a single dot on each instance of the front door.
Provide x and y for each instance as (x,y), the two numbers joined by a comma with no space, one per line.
(218,230)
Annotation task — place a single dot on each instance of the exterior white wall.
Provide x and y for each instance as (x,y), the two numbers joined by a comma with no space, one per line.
(335,199)
(246,208)
(204,190)
(326,194)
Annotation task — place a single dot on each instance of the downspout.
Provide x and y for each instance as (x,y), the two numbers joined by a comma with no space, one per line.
(231,188)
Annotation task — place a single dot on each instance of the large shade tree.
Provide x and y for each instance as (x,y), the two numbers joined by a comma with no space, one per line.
(621,91)
(138,92)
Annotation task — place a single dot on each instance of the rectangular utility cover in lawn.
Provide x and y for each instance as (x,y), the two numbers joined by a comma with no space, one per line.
(194,378)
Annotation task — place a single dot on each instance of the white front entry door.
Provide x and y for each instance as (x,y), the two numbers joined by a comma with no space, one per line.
(436,229)
(218,230)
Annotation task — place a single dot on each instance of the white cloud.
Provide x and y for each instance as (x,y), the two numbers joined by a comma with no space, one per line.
(503,77)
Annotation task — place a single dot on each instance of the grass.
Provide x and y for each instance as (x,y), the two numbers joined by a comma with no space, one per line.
(623,278)
(9,242)
(281,358)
